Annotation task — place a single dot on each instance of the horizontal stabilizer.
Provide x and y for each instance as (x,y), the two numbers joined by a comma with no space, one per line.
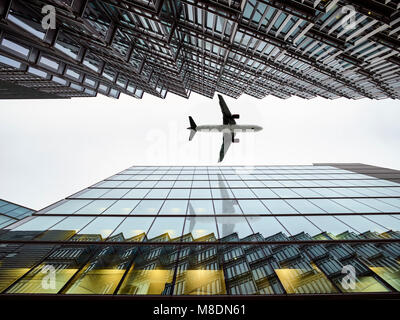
(192,133)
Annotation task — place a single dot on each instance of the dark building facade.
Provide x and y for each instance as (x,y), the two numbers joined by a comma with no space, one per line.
(308,48)
(265,231)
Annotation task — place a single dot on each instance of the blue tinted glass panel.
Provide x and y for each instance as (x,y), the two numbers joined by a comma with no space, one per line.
(38,224)
(200,207)
(200,227)
(279,207)
(132,227)
(266,226)
(70,206)
(122,207)
(227,207)
(96,207)
(174,207)
(229,225)
(253,207)
(296,225)
(148,207)
(171,225)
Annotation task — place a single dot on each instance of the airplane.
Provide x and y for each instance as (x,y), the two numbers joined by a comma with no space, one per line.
(229,128)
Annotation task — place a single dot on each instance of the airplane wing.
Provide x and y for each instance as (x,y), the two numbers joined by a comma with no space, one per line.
(226,114)
(226,142)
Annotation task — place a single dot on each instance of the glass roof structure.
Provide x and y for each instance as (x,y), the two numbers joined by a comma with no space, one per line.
(308,48)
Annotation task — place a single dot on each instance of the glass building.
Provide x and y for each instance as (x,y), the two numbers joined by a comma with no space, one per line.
(284,48)
(265,231)
(11,212)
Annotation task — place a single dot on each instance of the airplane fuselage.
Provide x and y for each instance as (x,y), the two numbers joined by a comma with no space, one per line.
(231,128)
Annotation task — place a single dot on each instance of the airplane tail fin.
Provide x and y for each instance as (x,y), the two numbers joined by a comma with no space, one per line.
(193,125)
(192,128)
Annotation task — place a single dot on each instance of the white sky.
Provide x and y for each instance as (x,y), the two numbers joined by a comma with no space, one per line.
(50,149)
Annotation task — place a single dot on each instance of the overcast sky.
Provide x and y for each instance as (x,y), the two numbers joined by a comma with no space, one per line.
(53,148)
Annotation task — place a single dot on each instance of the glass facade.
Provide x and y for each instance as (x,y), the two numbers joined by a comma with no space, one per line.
(223,230)
(11,212)
(308,48)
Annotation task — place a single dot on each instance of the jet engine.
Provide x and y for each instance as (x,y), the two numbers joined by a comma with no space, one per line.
(235,116)
(236,140)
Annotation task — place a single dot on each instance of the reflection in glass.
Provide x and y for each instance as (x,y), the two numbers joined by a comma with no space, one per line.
(69,206)
(72,223)
(151,272)
(227,207)
(150,207)
(45,278)
(101,226)
(136,193)
(296,225)
(102,273)
(306,280)
(360,224)
(122,207)
(96,207)
(172,226)
(200,207)
(363,284)
(174,207)
(200,226)
(229,225)
(38,224)
(266,226)
(279,207)
(200,194)
(132,227)
(253,207)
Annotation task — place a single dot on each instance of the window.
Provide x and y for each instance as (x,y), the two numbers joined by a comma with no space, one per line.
(200,227)
(304,206)
(172,226)
(39,224)
(72,223)
(157,194)
(227,207)
(329,206)
(200,207)
(122,207)
(148,207)
(179,194)
(296,225)
(132,227)
(96,207)
(69,207)
(200,194)
(253,207)
(266,226)
(361,224)
(279,207)
(174,207)
(114,194)
(229,225)
(102,226)
(243,193)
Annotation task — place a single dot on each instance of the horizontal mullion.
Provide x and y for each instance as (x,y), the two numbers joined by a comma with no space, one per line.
(202,243)
(217,214)
(255,198)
